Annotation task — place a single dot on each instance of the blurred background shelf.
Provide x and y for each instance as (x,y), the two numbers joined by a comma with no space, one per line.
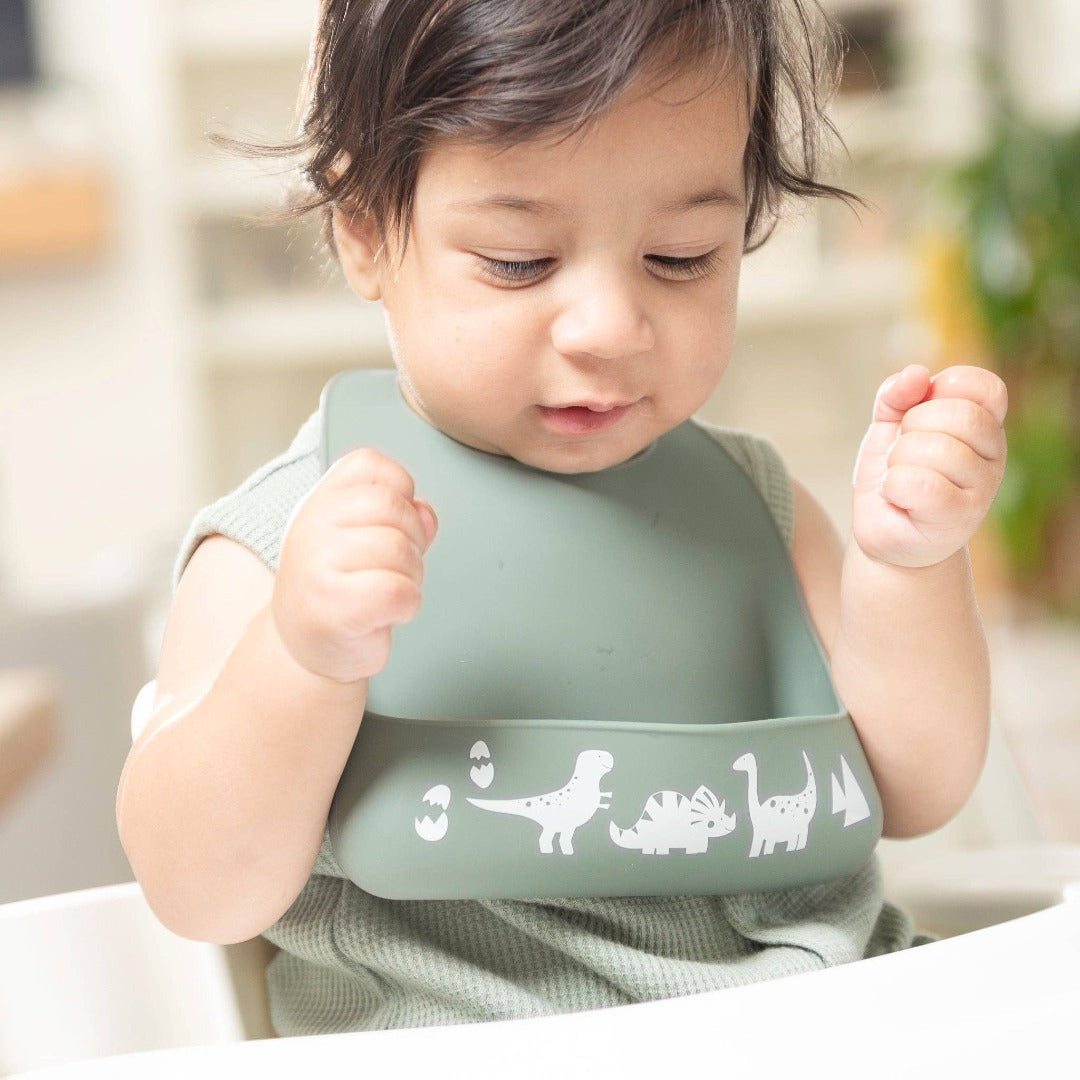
(297,333)
(881,287)
(238,189)
(907,127)
(52,213)
(224,30)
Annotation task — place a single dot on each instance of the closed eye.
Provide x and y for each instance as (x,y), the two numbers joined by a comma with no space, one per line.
(515,271)
(669,267)
(675,268)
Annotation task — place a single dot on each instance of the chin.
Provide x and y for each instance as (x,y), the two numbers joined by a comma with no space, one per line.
(575,459)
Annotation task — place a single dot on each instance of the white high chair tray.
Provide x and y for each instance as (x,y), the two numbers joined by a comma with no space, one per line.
(1003,1001)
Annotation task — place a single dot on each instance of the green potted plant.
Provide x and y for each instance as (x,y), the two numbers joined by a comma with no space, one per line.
(1004,290)
(1020,247)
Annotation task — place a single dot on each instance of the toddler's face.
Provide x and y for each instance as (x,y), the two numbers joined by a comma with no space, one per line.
(566,303)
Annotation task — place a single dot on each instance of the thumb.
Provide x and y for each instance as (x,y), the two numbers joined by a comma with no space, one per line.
(901,392)
(428,519)
(897,394)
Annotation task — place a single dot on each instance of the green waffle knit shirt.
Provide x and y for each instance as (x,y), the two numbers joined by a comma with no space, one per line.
(351,961)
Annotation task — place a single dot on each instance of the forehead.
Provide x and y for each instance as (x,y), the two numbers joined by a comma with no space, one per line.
(674,143)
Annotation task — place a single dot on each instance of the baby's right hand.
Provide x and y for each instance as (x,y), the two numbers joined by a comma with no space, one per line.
(351,567)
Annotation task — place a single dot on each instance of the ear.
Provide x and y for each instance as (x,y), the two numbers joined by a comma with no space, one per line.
(358,247)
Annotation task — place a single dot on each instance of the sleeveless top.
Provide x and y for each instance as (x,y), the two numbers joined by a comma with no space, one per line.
(352,961)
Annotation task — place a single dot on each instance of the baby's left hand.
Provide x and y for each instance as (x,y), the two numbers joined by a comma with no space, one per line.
(930,464)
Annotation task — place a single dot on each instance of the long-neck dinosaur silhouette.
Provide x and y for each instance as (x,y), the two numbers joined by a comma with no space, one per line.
(780,819)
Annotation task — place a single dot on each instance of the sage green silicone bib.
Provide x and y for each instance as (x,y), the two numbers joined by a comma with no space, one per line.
(611,689)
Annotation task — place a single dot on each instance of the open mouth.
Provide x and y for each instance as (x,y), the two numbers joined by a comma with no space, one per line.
(582,419)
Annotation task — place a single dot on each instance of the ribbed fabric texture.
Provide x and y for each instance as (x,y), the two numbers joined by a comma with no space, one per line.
(352,961)
(759,458)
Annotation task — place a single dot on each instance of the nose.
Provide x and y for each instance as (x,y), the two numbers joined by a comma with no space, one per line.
(602,317)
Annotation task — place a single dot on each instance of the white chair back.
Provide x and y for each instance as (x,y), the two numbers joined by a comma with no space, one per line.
(93,973)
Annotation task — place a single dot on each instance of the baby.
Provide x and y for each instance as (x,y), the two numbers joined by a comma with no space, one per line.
(551,199)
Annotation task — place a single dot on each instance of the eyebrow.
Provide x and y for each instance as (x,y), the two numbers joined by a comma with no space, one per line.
(709,197)
(506,202)
(720,197)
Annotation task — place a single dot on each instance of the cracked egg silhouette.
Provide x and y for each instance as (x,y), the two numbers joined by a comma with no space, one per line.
(431,826)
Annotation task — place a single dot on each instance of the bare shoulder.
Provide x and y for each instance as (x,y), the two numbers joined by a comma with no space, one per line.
(222,588)
(818,555)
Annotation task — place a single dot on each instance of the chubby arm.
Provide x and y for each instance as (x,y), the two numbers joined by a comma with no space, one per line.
(896,608)
(222,801)
(262,684)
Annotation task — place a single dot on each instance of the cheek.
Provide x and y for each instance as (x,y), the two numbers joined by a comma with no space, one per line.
(699,351)
(457,358)
(705,328)
(464,317)
(427,327)
(494,341)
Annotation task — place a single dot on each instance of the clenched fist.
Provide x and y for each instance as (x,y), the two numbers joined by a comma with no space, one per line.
(930,464)
(351,567)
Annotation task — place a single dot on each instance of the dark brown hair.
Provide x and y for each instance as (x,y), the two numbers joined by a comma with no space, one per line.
(387,77)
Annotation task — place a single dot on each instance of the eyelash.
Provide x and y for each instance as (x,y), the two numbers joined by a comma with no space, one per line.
(524,271)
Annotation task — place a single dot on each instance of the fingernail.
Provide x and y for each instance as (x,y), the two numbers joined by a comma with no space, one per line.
(888,384)
(429,520)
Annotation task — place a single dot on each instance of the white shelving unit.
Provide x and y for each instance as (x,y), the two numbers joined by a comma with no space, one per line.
(271,320)
(299,333)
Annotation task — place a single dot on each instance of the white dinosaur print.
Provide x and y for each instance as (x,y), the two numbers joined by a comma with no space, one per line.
(671,820)
(781,819)
(560,813)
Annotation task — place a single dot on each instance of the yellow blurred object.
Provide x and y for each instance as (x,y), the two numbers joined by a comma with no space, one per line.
(994,585)
(50,214)
(946,302)
(948,308)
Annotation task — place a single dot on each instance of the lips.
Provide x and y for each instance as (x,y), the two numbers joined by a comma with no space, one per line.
(583,418)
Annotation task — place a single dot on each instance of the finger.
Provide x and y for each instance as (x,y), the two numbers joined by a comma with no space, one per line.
(900,392)
(380,547)
(366,465)
(962,419)
(941,453)
(382,598)
(371,505)
(925,494)
(895,396)
(974,384)
(428,519)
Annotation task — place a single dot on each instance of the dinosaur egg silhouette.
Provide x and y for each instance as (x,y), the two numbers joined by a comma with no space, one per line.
(429,827)
(483,772)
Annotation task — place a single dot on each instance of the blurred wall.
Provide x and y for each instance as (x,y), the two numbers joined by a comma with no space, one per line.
(96,420)
(96,432)
(1041,38)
